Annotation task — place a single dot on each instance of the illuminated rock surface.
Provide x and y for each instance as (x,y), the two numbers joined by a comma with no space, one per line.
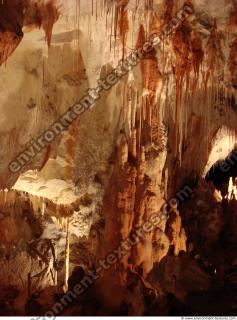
(162,128)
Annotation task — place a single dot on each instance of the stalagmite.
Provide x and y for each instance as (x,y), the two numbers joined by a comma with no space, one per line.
(96,196)
(67,258)
(230,188)
(55,266)
(160,244)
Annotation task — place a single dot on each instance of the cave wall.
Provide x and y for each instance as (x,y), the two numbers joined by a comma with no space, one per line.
(158,129)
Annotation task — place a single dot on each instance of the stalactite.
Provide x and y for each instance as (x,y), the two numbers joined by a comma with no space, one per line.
(168,11)
(182,69)
(142,166)
(43,14)
(122,23)
(197,58)
(232,62)
(155,24)
(134,105)
(139,129)
(123,151)
(151,84)
(134,143)
(126,103)
(232,23)
(212,54)
(134,192)
(53,15)
(43,208)
(141,37)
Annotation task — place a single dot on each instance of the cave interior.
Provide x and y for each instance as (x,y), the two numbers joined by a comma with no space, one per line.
(118,158)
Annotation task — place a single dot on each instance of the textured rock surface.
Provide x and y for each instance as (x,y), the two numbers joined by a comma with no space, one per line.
(164,125)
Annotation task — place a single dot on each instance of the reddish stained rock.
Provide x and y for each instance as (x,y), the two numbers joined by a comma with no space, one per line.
(12,19)
(46,156)
(212,53)
(168,11)
(151,78)
(141,37)
(182,68)
(122,22)
(149,66)
(197,53)
(233,17)
(155,24)
(8,43)
(11,22)
(182,49)
(233,62)
(52,15)
(45,15)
